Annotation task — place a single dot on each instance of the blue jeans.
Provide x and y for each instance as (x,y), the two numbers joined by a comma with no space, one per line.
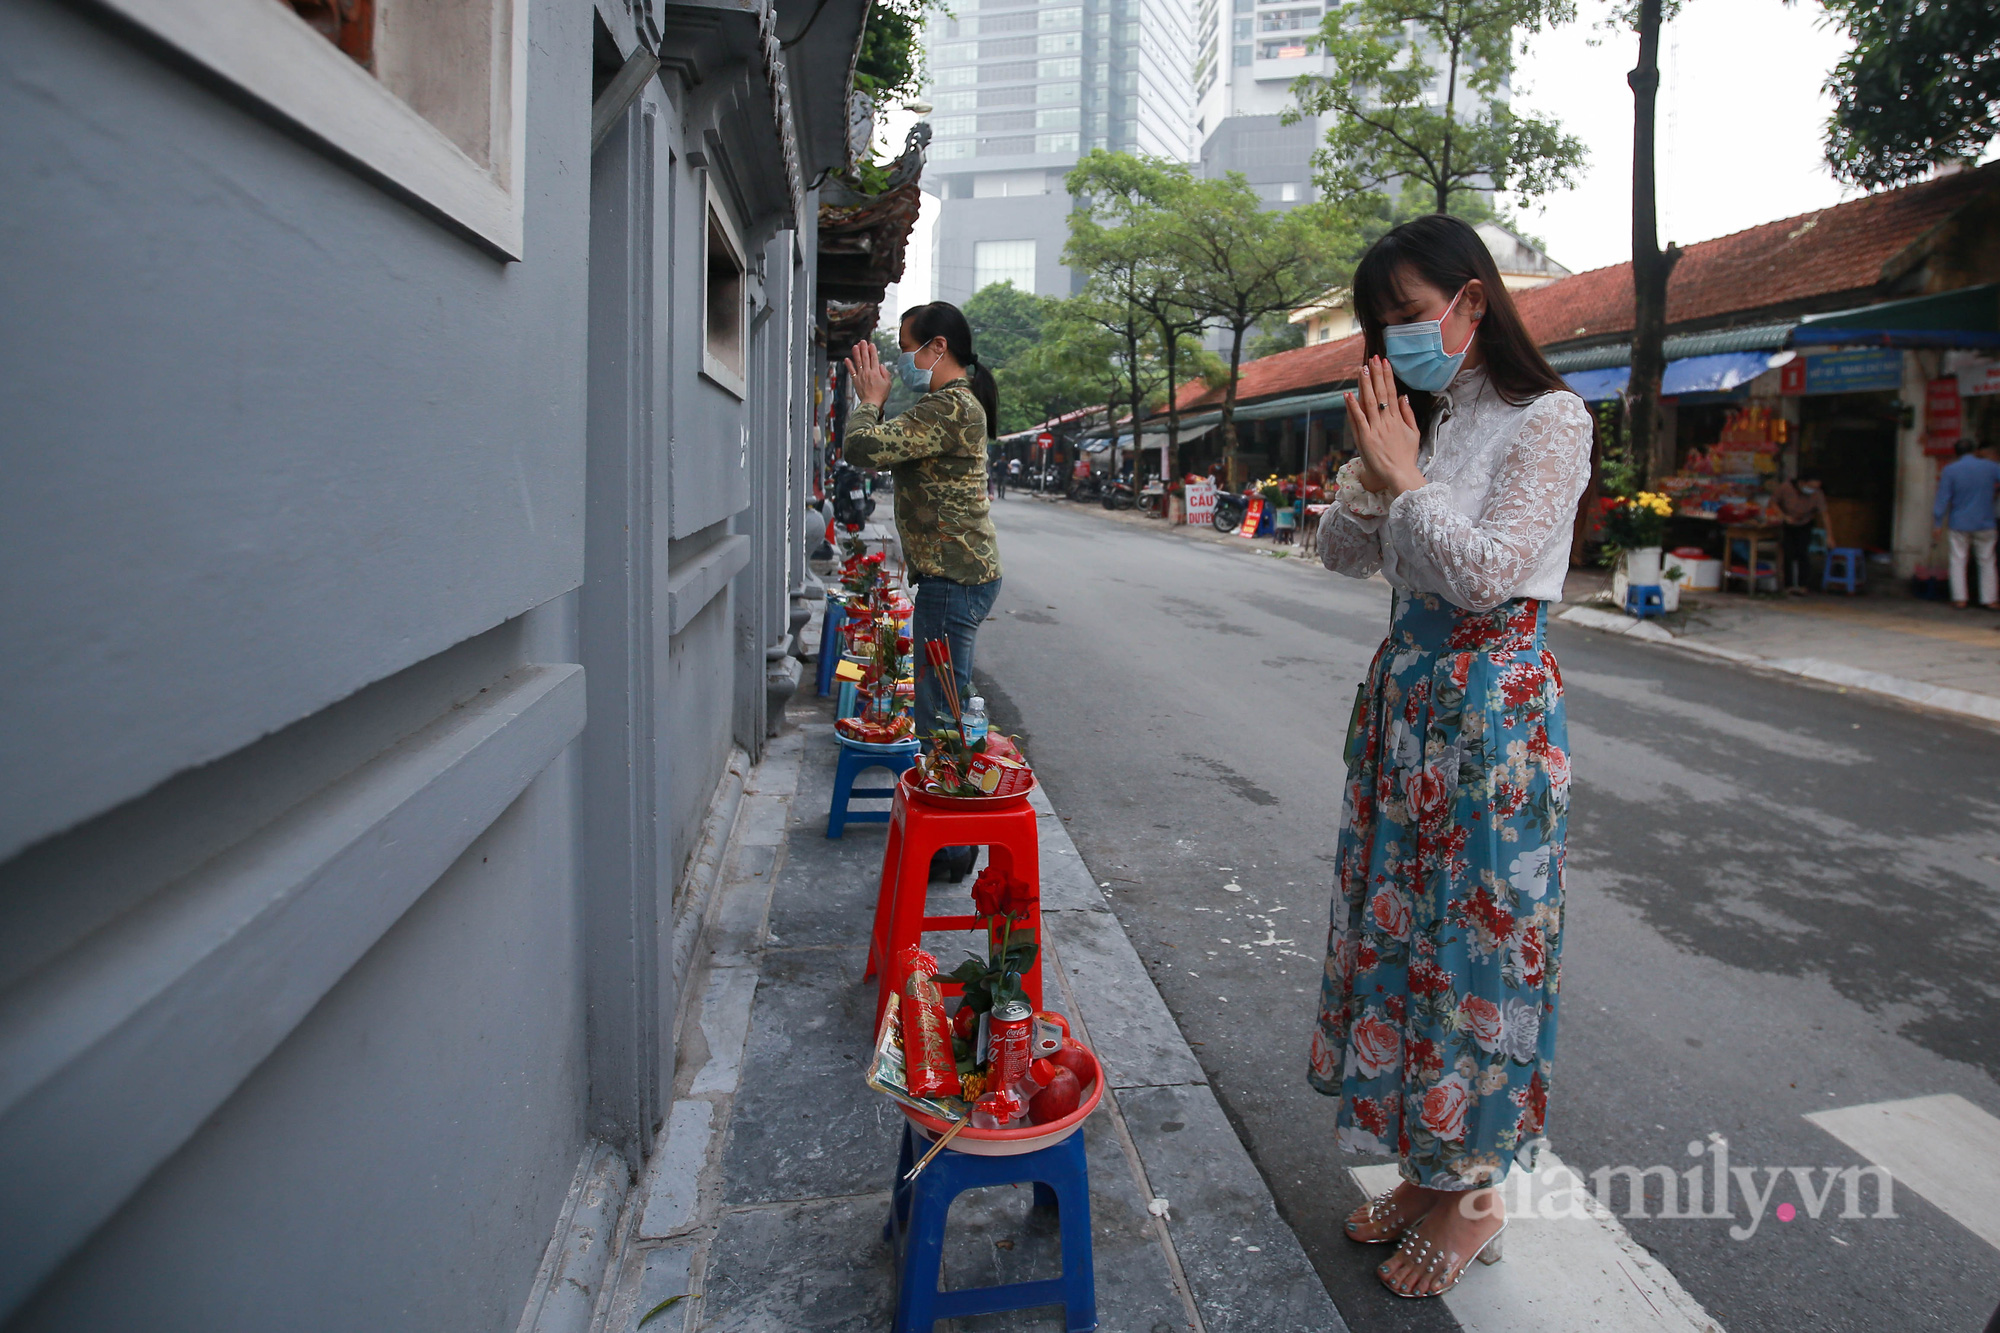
(952,612)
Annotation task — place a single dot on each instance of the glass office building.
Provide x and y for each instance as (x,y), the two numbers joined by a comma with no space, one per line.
(1020,91)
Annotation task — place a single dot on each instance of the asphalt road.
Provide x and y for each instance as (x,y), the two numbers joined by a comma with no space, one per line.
(1782,899)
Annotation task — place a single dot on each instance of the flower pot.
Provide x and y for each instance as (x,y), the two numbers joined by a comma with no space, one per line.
(1642,566)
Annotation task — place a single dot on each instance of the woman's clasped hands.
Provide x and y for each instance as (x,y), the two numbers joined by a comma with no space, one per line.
(1385,431)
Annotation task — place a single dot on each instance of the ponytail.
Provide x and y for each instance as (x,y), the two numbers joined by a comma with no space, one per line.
(941,319)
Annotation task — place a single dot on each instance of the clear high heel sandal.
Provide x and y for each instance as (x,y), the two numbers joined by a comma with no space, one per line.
(1377,1210)
(1430,1261)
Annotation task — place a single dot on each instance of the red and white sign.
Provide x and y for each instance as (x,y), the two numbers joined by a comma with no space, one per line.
(1981,377)
(1200,500)
(1944,415)
(1046,440)
(1792,376)
(1253,514)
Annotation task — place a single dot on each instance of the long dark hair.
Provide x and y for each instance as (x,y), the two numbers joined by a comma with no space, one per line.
(942,319)
(1447,253)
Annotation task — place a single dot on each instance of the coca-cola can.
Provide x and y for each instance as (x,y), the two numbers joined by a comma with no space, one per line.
(1011,1032)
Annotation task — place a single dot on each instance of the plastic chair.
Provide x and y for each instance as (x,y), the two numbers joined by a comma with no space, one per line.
(915,1232)
(1645,599)
(829,642)
(854,760)
(916,833)
(1846,569)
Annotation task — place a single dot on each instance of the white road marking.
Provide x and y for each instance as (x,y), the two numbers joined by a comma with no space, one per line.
(1569,1265)
(1943,1147)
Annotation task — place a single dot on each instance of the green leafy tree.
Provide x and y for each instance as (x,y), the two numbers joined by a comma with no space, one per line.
(1242,264)
(1122,220)
(1921,87)
(1402,72)
(1007,323)
(891,60)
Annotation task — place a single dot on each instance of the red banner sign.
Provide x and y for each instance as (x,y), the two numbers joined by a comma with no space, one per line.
(1944,416)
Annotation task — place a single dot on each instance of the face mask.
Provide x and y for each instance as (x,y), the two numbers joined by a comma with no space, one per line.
(1416,351)
(915,377)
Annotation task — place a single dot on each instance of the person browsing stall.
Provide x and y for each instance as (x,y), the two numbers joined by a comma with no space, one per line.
(1965,508)
(937,453)
(1801,502)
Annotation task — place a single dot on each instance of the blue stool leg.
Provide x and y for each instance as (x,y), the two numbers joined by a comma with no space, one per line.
(830,621)
(1079,1279)
(921,1255)
(843,791)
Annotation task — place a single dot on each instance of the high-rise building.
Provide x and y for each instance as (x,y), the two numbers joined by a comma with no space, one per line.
(1020,90)
(1247,52)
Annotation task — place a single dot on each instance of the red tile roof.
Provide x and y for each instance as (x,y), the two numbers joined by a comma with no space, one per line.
(1798,264)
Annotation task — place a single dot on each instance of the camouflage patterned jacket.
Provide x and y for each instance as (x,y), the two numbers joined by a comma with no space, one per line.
(937,451)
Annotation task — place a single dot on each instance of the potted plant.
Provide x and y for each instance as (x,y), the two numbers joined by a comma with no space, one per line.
(1634,527)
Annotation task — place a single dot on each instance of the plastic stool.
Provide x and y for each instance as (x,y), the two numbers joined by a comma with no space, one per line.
(915,1233)
(829,642)
(1852,567)
(1645,599)
(854,760)
(916,833)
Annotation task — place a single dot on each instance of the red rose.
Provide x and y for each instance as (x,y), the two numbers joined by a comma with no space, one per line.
(996,893)
(1445,1106)
(1482,1020)
(1365,959)
(1369,1115)
(1392,913)
(1430,795)
(1377,1046)
(1520,683)
(1427,978)
(1461,666)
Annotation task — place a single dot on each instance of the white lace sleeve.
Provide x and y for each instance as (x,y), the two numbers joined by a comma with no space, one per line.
(1484,560)
(1348,543)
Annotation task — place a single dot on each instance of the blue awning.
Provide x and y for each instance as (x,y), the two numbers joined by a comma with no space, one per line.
(1713,374)
(1966,317)
(1600,385)
(1691,374)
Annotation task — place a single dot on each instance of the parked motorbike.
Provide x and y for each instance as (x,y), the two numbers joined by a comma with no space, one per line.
(1229,511)
(852,503)
(1119,495)
(1085,488)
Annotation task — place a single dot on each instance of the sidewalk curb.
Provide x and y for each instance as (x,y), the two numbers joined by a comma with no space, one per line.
(1942,698)
(1235,1263)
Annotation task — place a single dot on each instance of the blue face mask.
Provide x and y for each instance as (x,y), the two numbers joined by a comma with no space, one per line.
(914,377)
(1416,351)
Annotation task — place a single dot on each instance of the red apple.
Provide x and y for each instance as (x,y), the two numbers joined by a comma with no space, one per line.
(1076,1058)
(1060,1098)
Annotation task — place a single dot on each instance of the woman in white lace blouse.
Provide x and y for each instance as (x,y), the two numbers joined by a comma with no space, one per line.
(1437,1018)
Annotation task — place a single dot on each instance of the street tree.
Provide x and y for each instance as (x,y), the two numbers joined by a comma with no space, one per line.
(1921,87)
(1006,324)
(1122,224)
(1651,266)
(1403,73)
(1241,264)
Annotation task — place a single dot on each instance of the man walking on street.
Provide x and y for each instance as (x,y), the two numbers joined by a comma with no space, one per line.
(1965,492)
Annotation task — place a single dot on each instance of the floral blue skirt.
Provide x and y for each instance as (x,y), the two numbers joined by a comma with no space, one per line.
(1437,1019)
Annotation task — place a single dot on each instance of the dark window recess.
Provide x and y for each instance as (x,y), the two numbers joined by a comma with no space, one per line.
(1006,73)
(1010,23)
(1006,147)
(1007,46)
(348,24)
(1006,96)
(1007,120)
(725,299)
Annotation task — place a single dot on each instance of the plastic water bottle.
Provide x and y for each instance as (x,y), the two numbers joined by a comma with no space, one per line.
(973,720)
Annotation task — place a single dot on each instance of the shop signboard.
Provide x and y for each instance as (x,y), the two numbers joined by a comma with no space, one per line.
(1848,370)
(1979,377)
(1201,502)
(1253,514)
(1944,416)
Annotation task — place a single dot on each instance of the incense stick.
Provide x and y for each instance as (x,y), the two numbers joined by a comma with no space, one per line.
(938,1147)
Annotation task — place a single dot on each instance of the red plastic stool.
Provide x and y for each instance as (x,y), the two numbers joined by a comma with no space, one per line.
(916,832)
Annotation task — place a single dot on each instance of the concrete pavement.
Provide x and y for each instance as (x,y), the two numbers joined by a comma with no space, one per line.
(765,1200)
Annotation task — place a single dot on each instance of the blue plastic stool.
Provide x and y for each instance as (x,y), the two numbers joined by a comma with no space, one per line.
(1645,599)
(830,621)
(855,759)
(1851,564)
(915,1233)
